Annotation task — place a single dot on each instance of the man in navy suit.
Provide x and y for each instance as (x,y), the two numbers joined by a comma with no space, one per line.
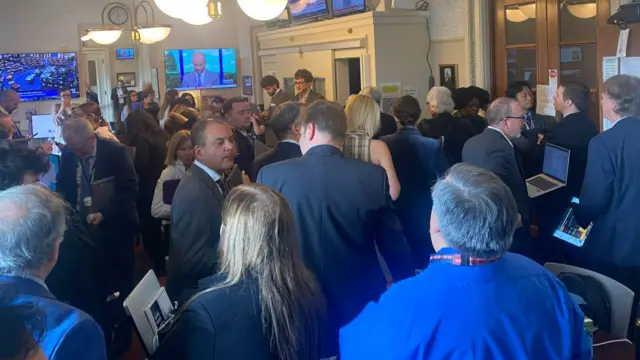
(200,77)
(610,193)
(286,127)
(237,114)
(32,224)
(342,209)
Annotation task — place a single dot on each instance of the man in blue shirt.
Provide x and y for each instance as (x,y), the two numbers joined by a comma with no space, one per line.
(475,300)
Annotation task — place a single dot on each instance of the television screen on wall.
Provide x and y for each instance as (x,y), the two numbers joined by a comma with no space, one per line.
(307,9)
(346,7)
(200,69)
(39,76)
(125,54)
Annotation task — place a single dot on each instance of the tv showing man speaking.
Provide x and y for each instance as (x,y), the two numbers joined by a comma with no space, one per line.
(200,69)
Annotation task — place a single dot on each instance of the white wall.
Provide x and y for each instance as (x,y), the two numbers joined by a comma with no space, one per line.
(56,25)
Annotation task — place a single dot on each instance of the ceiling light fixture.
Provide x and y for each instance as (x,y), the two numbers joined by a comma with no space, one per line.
(528,10)
(515,15)
(583,11)
(262,10)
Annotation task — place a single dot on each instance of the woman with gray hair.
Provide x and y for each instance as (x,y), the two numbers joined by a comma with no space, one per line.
(265,304)
(610,194)
(452,132)
(476,300)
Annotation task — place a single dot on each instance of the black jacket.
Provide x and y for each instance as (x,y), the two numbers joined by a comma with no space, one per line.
(452,130)
(283,150)
(388,126)
(246,151)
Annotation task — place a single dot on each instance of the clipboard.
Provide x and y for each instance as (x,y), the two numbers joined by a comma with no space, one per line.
(102,192)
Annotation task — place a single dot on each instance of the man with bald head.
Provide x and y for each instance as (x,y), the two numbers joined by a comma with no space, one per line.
(493,150)
(9,102)
(108,210)
(201,77)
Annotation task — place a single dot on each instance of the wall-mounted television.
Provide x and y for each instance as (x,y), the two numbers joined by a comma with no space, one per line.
(39,76)
(346,7)
(308,9)
(200,69)
(125,54)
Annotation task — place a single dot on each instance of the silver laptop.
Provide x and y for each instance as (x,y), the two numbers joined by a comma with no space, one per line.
(555,170)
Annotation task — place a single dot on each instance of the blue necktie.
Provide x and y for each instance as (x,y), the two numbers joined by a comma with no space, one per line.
(199,80)
(86,177)
(528,121)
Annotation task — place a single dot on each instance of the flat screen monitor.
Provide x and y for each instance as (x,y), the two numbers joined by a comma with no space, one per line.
(43,126)
(306,9)
(125,54)
(200,69)
(346,7)
(39,76)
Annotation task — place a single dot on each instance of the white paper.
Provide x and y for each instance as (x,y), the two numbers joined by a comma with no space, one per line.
(622,43)
(411,91)
(544,95)
(630,66)
(553,78)
(609,67)
(390,93)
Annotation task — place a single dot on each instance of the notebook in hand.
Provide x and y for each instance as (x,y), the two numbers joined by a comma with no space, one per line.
(169,188)
(101,193)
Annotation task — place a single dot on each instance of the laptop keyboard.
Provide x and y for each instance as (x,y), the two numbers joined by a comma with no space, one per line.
(542,183)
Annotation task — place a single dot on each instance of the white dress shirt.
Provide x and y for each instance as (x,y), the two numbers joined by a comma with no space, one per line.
(159,209)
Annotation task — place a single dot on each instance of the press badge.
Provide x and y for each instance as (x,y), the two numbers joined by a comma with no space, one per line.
(87,201)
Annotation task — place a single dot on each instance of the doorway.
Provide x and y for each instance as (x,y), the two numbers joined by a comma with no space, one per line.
(348,78)
(96,65)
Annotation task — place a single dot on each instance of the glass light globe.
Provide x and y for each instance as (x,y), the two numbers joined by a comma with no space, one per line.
(105,37)
(583,11)
(515,15)
(173,8)
(197,16)
(153,34)
(528,10)
(262,10)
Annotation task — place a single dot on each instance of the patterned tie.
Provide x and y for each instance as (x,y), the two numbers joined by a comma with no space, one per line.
(224,187)
(528,121)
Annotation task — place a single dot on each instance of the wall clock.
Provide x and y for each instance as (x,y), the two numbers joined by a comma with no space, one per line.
(118,15)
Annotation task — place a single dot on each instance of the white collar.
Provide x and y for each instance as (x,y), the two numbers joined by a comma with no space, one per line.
(290,141)
(500,131)
(212,173)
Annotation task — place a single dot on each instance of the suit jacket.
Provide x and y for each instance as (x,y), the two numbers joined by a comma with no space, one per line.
(527,144)
(342,208)
(281,97)
(388,126)
(210,78)
(610,195)
(418,162)
(492,151)
(312,97)
(112,160)
(283,150)
(454,131)
(93,97)
(246,151)
(69,332)
(115,101)
(196,217)
(151,152)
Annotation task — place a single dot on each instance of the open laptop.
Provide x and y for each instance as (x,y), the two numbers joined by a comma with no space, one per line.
(555,169)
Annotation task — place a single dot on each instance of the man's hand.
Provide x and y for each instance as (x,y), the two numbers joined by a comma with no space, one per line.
(257,128)
(245,179)
(95,219)
(540,138)
(46,148)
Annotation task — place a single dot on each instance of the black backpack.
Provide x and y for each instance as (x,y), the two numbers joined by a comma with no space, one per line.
(591,297)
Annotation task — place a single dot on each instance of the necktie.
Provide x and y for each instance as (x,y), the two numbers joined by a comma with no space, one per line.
(199,80)
(86,177)
(224,187)
(528,121)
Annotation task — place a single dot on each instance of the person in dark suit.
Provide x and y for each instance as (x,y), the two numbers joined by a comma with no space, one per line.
(112,224)
(534,125)
(610,194)
(200,77)
(118,101)
(342,208)
(303,81)
(388,123)
(196,211)
(286,126)
(91,95)
(573,132)
(418,162)
(494,150)
(32,223)
(271,86)
(237,114)
(246,313)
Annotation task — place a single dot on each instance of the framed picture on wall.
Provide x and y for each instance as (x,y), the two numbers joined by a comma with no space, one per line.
(449,76)
(129,78)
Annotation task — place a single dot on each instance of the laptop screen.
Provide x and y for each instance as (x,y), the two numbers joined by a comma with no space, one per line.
(556,162)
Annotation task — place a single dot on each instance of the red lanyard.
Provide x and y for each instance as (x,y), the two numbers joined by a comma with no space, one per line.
(462,260)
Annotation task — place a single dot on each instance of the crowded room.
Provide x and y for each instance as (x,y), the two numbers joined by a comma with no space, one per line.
(194,180)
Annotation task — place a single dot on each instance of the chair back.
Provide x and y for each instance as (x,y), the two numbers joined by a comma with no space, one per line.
(620,296)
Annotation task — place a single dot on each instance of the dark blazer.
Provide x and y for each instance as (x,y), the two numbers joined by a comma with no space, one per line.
(223,324)
(455,131)
(151,152)
(112,160)
(418,162)
(115,101)
(342,208)
(281,97)
(246,151)
(196,217)
(574,133)
(610,195)
(69,332)
(492,151)
(478,122)
(283,150)
(527,144)
(313,97)
(93,97)
(388,125)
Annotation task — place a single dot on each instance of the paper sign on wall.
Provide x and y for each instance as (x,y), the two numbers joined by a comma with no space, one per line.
(622,43)
(411,91)
(544,94)
(609,67)
(553,78)
(390,93)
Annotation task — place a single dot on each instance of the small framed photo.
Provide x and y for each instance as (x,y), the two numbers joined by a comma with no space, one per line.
(449,76)
(129,78)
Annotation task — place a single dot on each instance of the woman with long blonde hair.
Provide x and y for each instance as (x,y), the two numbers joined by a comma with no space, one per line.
(264,304)
(363,122)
